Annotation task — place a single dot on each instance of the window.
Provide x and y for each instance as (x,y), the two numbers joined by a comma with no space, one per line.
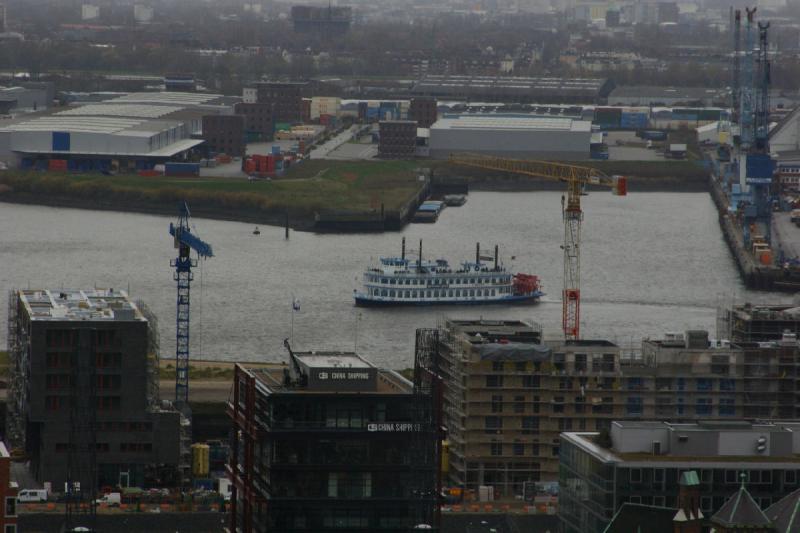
(580,362)
(679,406)
(659,501)
(519,448)
(497,404)
(108,403)
(565,424)
(704,384)
(520,366)
(703,406)
(531,382)
(658,475)
(494,381)
(497,448)
(705,504)
(492,424)
(11,506)
(559,361)
(635,499)
(558,404)
(497,366)
(565,383)
(727,385)
(731,477)
(10,528)
(519,404)
(636,475)
(634,406)
(681,383)
(727,407)
(635,384)
(554,451)
(530,425)
(789,477)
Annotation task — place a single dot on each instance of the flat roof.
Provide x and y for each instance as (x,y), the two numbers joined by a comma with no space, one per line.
(517,84)
(272,379)
(79,305)
(332,360)
(512,124)
(121,110)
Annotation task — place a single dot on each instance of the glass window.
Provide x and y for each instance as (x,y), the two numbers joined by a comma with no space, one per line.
(492,424)
(790,477)
(519,404)
(727,385)
(530,425)
(703,406)
(704,384)
(519,448)
(634,406)
(636,475)
(531,382)
(11,506)
(497,448)
(497,404)
(494,381)
(497,366)
(727,407)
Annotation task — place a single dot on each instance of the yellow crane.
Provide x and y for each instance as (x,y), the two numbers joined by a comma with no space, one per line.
(576,177)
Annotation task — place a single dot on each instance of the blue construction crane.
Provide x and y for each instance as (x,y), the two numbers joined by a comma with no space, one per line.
(185,242)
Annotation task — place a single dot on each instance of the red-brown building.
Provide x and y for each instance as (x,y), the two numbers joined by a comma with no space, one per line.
(8,493)
(258,123)
(424,111)
(224,134)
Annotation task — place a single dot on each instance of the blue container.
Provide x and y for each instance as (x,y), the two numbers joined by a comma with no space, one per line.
(26,163)
(760,166)
(204,483)
(181,169)
(276,150)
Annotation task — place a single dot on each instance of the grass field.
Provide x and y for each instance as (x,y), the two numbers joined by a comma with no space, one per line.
(307,187)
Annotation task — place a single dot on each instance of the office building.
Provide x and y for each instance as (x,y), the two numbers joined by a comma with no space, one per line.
(508,395)
(424,111)
(332,443)
(398,139)
(285,99)
(84,375)
(225,134)
(642,463)
(258,123)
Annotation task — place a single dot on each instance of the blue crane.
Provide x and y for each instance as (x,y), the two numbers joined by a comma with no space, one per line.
(185,242)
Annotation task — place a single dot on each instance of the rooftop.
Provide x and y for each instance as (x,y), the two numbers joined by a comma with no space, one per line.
(332,360)
(79,305)
(465,122)
(511,85)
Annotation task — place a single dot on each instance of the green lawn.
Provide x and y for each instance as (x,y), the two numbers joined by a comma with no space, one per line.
(307,187)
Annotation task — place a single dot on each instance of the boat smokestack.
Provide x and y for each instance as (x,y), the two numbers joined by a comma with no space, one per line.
(419,259)
(496,250)
(403,249)
(477,253)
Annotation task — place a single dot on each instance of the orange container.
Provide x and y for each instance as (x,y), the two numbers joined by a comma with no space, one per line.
(766,258)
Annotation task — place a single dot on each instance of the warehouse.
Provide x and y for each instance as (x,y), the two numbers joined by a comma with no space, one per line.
(130,132)
(533,138)
(515,89)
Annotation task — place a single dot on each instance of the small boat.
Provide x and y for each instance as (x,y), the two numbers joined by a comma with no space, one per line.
(256,231)
(400,281)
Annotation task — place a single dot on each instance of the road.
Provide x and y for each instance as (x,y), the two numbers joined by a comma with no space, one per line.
(322,151)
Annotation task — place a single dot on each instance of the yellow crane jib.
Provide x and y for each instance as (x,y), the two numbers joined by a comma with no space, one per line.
(576,177)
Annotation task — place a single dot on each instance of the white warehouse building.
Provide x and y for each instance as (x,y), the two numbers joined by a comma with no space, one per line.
(134,130)
(514,137)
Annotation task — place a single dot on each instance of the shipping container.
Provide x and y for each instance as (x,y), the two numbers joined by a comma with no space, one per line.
(200,460)
(276,149)
(57,165)
(181,169)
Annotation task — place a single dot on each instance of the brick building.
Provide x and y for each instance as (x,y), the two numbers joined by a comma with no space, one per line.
(225,134)
(398,139)
(8,493)
(285,98)
(258,123)
(424,111)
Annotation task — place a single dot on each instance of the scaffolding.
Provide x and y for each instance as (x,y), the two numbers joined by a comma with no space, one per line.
(153,356)
(18,365)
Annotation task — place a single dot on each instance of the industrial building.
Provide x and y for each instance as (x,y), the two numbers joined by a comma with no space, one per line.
(83,399)
(333,443)
(508,395)
(258,123)
(397,139)
(533,138)
(644,462)
(518,90)
(225,134)
(129,132)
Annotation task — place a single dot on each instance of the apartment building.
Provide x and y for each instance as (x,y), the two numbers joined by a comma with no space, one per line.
(643,463)
(508,395)
(84,375)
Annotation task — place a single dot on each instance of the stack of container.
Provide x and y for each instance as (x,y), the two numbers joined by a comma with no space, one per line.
(634,118)
(59,165)
(181,169)
(608,117)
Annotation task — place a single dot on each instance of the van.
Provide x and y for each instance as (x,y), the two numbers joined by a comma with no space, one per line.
(32,496)
(112,499)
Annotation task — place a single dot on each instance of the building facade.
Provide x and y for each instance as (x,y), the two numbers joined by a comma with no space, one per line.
(225,134)
(8,493)
(398,139)
(335,444)
(285,99)
(424,111)
(84,372)
(642,463)
(508,395)
(258,123)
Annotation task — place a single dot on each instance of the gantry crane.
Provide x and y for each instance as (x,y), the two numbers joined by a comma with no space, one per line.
(185,242)
(576,178)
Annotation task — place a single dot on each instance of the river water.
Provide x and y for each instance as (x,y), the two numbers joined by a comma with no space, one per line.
(651,263)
